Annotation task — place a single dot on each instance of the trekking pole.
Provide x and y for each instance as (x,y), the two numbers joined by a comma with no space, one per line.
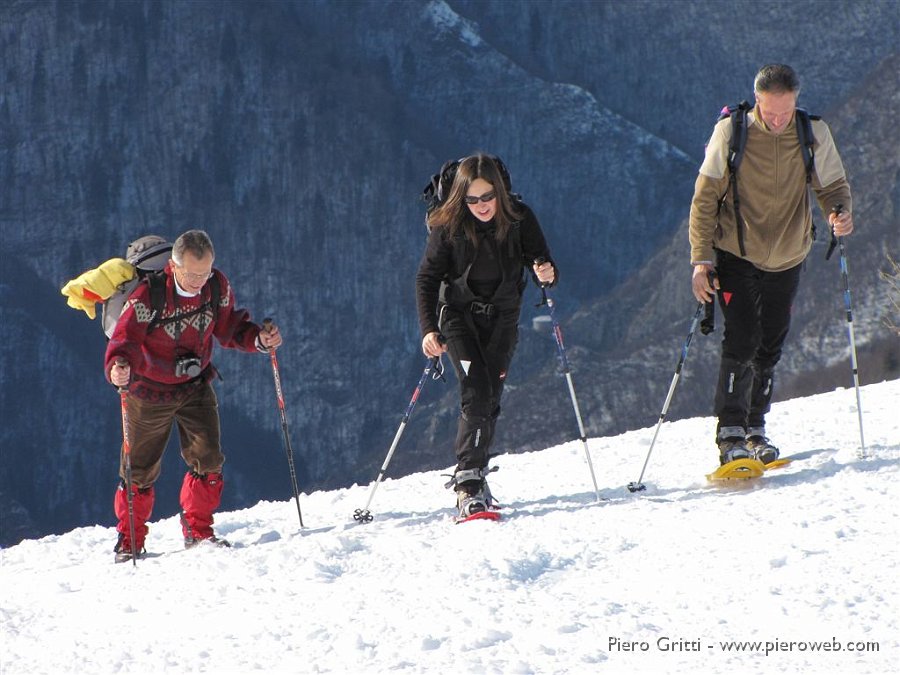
(267,326)
(126,450)
(707,328)
(853,364)
(364,515)
(561,349)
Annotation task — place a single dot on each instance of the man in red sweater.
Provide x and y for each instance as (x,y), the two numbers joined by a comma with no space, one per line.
(164,361)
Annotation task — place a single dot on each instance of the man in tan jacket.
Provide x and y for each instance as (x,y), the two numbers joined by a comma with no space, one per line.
(756,257)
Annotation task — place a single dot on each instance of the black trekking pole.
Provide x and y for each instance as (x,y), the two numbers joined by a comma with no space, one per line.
(126,451)
(267,324)
(702,308)
(845,275)
(364,515)
(546,299)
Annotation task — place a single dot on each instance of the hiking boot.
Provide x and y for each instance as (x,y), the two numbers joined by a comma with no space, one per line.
(122,550)
(471,500)
(191,542)
(472,492)
(123,556)
(760,447)
(732,445)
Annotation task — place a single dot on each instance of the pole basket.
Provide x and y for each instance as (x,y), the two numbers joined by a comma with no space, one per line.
(363,516)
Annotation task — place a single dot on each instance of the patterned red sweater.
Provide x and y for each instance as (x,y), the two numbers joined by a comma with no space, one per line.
(152,354)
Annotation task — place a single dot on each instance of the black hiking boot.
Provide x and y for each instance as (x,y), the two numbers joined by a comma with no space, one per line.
(761,447)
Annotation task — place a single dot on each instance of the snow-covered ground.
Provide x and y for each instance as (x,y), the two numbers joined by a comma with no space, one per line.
(795,573)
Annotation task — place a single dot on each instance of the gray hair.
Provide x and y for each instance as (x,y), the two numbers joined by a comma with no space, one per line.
(195,241)
(776,78)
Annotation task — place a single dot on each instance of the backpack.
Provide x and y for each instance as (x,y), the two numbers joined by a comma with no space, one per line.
(438,188)
(149,256)
(738,115)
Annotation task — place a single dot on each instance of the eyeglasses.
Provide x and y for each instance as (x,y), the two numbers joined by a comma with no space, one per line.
(196,278)
(486,197)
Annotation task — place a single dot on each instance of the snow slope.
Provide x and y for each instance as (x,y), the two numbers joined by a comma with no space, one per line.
(805,560)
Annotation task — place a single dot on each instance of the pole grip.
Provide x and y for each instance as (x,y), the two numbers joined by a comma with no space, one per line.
(540,260)
(837,209)
(121,362)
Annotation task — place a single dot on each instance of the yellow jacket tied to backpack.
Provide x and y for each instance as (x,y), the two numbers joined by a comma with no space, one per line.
(97,285)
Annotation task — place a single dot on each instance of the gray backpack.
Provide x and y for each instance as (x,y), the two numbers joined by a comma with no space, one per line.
(149,255)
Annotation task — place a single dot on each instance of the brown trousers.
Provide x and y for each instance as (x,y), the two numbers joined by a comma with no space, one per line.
(149,426)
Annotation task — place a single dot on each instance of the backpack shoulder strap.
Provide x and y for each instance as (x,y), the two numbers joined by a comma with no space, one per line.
(807,140)
(514,238)
(738,115)
(736,145)
(157,283)
(215,294)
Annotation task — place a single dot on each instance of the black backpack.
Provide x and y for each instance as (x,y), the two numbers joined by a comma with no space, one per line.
(149,256)
(738,115)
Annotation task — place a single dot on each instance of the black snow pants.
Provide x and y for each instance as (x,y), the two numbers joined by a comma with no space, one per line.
(480,346)
(756,306)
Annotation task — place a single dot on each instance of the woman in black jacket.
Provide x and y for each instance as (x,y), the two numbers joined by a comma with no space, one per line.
(469,293)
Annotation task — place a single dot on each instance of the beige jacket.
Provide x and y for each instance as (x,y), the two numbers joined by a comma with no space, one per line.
(775,201)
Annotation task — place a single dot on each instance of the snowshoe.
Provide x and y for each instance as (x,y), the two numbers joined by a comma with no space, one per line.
(490,514)
(745,468)
(124,556)
(191,542)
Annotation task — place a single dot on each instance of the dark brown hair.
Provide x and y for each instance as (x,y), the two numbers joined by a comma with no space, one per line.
(454,214)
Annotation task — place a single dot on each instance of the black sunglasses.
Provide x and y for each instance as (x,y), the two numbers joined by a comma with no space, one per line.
(486,197)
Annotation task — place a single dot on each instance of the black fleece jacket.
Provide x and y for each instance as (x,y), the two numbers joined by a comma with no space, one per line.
(443,272)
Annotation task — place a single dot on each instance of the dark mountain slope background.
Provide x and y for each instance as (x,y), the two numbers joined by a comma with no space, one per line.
(300,134)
